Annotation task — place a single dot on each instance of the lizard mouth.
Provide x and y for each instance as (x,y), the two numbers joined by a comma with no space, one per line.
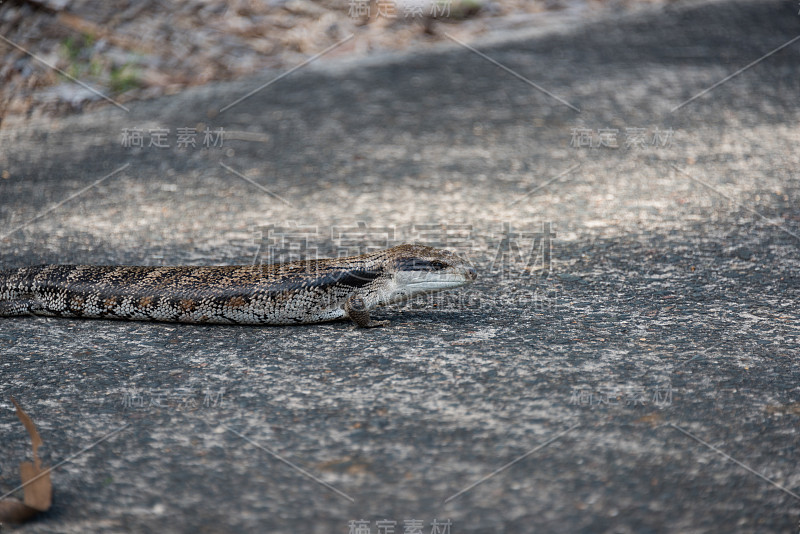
(471,273)
(419,282)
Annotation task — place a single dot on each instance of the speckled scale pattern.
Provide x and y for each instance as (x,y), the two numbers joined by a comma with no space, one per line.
(291,293)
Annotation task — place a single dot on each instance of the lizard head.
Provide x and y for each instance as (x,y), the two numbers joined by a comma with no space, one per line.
(420,269)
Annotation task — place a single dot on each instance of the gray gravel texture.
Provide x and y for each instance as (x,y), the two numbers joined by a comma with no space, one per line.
(644,378)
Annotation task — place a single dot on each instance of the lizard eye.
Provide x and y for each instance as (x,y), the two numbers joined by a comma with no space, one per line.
(438,265)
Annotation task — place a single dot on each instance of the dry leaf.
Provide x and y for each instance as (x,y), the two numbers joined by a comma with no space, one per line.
(654,419)
(36,484)
(15,511)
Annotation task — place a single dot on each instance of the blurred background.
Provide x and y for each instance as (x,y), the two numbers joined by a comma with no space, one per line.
(131,50)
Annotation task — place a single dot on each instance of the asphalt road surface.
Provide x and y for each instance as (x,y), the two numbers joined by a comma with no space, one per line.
(628,360)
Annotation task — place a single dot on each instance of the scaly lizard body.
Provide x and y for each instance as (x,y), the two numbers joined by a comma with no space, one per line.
(300,292)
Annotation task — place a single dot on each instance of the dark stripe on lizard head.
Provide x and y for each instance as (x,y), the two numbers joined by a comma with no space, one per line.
(417,264)
(348,277)
(354,278)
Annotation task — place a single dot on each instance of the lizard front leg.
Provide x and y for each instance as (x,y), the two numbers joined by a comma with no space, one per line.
(357,311)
